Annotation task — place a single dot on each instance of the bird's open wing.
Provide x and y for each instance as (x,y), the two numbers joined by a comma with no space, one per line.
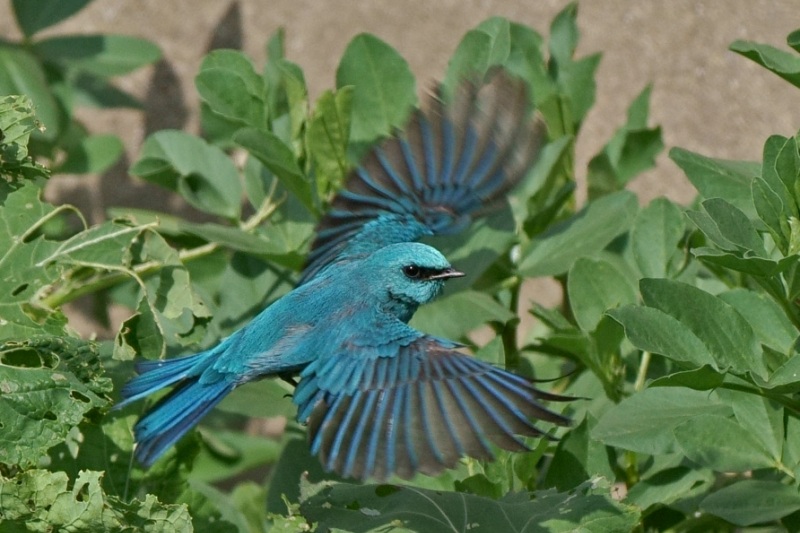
(450,163)
(415,407)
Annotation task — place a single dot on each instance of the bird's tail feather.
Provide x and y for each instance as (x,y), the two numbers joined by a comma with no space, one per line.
(174,415)
(156,375)
(177,412)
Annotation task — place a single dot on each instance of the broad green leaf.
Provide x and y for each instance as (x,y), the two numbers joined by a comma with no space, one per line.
(564,35)
(201,173)
(771,210)
(376,507)
(782,63)
(326,138)
(670,485)
(644,423)
(757,266)
(595,286)
(102,55)
(723,331)
(384,90)
(105,245)
(47,385)
(92,155)
(231,87)
(582,235)
(279,159)
(656,234)
(770,323)
(653,330)
(35,15)
(578,457)
(752,501)
(779,170)
(719,178)
(180,311)
(719,443)
(263,399)
(22,248)
(761,418)
(50,499)
(727,225)
(21,73)
(702,378)
(456,315)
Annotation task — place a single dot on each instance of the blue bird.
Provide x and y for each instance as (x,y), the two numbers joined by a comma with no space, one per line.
(380,397)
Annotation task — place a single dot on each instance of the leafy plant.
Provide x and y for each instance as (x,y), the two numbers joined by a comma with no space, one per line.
(64,72)
(678,330)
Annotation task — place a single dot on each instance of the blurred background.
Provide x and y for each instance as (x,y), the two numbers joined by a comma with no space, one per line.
(706,98)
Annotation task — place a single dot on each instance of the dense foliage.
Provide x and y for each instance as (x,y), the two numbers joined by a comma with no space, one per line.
(678,329)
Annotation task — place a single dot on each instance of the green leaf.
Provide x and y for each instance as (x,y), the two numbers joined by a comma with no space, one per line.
(17,122)
(719,178)
(47,385)
(723,331)
(702,378)
(231,87)
(92,155)
(670,485)
(21,73)
(279,159)
(784,64)
(375,507)
(644,423)
(717,442)
(35,15)
(384,90)
(752,501)
(22,248)
(582,235)
(769,322)
(102,55)
(771,211)
(564,34)
(728,227)
(578,457)
(656,234)
(51,499)
(652,330)
(595,286)
(201,173)
(326,138)
(105,245)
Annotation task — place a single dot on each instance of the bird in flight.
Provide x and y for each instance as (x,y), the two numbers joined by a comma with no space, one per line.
(380,398)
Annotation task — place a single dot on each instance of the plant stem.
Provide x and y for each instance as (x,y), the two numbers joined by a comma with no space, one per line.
(641,376)
(65,293)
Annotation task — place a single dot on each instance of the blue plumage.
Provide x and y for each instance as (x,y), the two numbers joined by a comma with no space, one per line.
(380,397)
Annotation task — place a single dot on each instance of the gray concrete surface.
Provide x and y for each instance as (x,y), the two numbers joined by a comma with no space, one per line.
(706,98)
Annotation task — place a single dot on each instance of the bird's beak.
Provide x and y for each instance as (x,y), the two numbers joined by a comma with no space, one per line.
(447,274)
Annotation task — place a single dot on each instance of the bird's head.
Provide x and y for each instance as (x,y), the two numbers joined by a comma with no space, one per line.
(412,274)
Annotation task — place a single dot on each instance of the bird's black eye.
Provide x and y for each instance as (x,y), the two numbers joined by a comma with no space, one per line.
(411,271)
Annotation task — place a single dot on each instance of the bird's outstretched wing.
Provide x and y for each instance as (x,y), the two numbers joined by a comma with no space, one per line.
(415,407)
(450,163)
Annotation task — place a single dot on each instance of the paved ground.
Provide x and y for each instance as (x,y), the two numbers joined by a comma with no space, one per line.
(706,98)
